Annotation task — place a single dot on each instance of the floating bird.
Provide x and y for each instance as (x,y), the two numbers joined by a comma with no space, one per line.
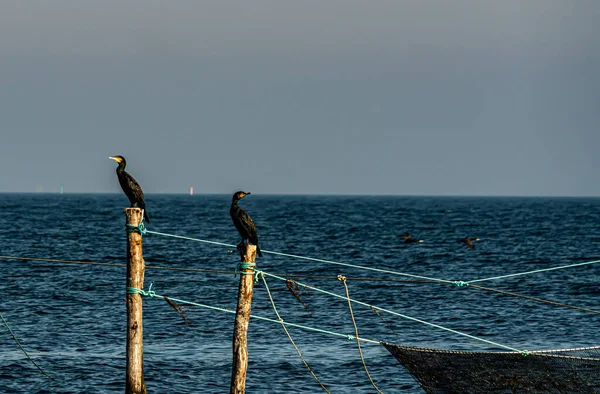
(408,239)
(469,241)
(132,189)
(243,222)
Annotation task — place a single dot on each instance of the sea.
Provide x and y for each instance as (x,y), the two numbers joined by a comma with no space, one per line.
(70,316)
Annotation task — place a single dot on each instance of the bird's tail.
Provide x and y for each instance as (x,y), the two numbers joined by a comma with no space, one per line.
(258,251)
(146,218)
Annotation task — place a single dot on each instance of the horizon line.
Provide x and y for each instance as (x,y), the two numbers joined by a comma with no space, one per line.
(318,194)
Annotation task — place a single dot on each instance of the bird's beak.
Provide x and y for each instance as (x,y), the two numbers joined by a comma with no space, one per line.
(112,158)
(248,193)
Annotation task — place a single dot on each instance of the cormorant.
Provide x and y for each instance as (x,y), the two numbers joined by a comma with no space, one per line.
(132,189)
(243,222)
(408,239)
(469,241)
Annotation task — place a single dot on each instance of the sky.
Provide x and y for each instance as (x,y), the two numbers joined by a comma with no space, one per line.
(462,97)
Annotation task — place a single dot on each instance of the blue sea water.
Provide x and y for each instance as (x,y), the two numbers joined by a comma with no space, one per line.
(72,318)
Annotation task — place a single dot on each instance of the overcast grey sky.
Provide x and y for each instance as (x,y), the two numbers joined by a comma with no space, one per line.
(330,96)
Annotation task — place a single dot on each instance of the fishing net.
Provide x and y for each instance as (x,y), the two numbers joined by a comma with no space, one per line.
(548,371)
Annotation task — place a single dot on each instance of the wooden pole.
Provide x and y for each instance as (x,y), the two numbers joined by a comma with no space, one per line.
(134,383)
(242,316)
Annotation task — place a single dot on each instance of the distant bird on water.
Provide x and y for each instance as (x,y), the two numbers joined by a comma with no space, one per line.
(132,189)
(243,222)
(469,241)
(408,239)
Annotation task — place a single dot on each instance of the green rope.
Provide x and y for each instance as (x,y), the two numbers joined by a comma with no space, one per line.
(153,294)
(304,258)
(258,276)
(245,265)
(458,283)
(23,349)
(192,239)
(400,315)
(342,279)
(149,293)
(140,228)
(536,271)
(290,336)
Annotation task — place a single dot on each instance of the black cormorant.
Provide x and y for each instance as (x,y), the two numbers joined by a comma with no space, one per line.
(408,239)
(469,241)
(243,222)
(132,189)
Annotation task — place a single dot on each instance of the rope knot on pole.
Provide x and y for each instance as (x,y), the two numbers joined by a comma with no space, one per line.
(140,228)
(134,368)
(239,365)
(258,276)
(245,265)
(149,293)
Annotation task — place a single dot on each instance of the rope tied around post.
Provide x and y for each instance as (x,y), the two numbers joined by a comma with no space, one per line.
(142,292)
(134,349)
(239,365)
(245,265)
(140,228)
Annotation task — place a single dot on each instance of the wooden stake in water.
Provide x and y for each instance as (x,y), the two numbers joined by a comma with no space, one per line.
(134,383)
(242,316)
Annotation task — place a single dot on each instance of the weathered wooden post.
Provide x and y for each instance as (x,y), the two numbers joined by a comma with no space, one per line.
(134,383)
(242,316)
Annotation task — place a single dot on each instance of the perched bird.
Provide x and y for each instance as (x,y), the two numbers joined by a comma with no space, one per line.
(132,189)
(243,222)
(408,239)
(469,241)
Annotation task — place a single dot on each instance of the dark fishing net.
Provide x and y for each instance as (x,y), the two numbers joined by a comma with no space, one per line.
(551,371)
